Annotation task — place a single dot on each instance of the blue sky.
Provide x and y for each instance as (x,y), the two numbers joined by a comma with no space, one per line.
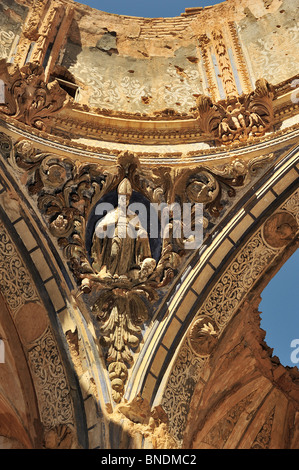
(280,310)
(280,299)
(150,9)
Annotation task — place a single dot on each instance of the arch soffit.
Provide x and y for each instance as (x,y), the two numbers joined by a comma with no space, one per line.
(36,302)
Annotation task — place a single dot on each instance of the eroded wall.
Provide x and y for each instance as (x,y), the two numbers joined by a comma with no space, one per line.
(271,41)
(12,16)
(139,65)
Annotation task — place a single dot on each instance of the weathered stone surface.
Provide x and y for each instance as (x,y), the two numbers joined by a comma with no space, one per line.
(245,384)
(145,342)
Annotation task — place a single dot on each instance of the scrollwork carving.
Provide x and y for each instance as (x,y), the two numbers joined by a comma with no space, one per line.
(263,438)
(53,392)
(237,118)
(123,275)
(15,282)
(5,145)
(27,97)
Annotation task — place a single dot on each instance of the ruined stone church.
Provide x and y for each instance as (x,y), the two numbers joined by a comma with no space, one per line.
(145,342)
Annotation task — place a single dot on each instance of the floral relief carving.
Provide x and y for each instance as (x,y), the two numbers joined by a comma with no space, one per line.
(53,395)
(224,63)
(219,307)
(203,335)
(122,274)
(262,440)
(27,97)
(33,20)
(237,119)
(15,282)
(44,359)
(279,229)
(238,279)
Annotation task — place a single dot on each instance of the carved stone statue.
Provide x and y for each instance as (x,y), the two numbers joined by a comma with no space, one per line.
(118,251)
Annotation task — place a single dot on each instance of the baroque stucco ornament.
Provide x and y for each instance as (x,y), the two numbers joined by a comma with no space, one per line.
(123,289)
(27,97)
(237,118)
(30,99)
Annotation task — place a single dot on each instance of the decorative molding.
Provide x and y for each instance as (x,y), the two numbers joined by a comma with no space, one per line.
(47,107)
(224,63)
(263,438)
(246,83)
(67,192)
(187,370)
(221,304)
(237,119)
(203,336)
(52,389)
(46,31)
(153,158)
(44,360)
(15,283)
(30,30)
(205,45)
(28,98)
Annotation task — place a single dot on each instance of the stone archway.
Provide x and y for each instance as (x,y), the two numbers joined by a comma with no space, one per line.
(253,403)
(36,399)
(197,109)
(20,425)
(210,345)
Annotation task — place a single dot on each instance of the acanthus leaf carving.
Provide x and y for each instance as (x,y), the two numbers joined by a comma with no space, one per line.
(28,98)
(237,118)
(122,274)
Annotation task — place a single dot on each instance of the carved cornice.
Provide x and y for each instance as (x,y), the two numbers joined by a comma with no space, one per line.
(237,120)
(153,156)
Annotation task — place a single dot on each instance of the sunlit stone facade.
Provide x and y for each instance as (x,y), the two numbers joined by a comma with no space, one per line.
(145,342)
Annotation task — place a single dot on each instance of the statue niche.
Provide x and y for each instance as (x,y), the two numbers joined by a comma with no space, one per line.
(122,268)
(120,245)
